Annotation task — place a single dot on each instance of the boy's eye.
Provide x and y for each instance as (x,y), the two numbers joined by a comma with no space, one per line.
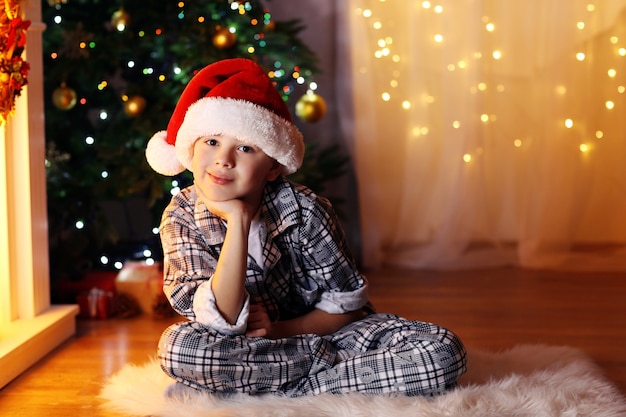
(246,148)
(211,142)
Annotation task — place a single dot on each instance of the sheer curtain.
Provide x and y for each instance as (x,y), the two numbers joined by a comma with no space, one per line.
(489,132)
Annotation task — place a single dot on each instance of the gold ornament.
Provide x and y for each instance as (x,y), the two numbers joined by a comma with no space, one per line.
(64,97)
(224,39)
(311,107)
(120,20)
(134,106)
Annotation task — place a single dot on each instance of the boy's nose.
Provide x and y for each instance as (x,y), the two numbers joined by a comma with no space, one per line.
(224,158)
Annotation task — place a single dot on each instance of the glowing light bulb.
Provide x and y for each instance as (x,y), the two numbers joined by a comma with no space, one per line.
(560,90)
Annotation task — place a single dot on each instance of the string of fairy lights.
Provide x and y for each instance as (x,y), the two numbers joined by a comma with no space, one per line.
(389,61)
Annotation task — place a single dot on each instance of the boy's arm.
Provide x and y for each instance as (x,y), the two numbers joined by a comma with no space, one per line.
(315,322)
(229,278)
(228,283)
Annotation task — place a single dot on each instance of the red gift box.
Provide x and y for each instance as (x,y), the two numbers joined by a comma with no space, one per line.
(95,304)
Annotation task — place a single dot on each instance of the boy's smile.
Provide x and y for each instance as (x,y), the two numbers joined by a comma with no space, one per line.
(219,179)
(225,168)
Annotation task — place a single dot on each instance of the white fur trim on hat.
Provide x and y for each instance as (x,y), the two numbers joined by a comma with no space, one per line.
(250,123)
(162,156)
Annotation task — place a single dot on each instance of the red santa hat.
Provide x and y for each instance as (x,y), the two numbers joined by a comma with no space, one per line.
(234,97)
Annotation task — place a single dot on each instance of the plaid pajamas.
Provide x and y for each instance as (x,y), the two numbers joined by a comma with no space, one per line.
(381,354)
(306,265)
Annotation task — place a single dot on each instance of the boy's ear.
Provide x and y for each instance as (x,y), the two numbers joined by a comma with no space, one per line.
(274,172)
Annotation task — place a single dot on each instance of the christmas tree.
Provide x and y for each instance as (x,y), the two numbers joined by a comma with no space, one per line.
(113,73)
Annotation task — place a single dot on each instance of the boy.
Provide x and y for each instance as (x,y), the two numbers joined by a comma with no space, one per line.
(259,265)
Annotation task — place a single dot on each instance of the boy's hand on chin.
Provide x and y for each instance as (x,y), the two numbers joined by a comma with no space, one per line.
(227,209)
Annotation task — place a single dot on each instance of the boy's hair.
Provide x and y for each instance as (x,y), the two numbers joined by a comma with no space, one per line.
(233,97)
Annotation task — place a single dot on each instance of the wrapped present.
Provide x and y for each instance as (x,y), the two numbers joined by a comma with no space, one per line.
(141,281)
(95,304)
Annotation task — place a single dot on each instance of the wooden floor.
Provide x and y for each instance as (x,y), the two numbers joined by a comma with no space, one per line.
(493,309)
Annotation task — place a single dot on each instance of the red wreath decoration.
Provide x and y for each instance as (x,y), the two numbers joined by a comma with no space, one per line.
(13,69)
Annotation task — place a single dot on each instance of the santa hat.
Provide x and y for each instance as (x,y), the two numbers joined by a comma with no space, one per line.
(234,97)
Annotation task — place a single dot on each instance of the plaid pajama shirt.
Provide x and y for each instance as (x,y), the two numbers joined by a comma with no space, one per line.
(306,265)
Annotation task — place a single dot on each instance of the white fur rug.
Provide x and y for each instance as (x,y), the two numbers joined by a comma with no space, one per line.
(526,381)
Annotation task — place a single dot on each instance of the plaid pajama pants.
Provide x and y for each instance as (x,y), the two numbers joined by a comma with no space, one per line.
(380,354)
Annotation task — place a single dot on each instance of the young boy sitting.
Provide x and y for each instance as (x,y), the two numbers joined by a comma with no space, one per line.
(259,265)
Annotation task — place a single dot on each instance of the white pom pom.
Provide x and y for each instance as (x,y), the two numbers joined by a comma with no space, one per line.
(162,156)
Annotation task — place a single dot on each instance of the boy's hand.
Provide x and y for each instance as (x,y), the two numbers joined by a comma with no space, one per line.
(259,324)
(227,209)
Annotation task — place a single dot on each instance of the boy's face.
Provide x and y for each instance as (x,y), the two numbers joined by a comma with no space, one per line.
(226,168)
